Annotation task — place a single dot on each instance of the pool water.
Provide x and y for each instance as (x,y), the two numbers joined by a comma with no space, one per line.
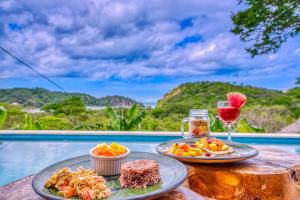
(20,159)
(26,157)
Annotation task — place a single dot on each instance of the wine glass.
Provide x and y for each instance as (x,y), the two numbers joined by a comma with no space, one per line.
(228,115)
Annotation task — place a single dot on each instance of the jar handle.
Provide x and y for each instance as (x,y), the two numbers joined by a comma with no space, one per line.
(182,127)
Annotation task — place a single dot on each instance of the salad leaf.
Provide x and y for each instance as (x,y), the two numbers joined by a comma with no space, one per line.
(216,124)
(244,127)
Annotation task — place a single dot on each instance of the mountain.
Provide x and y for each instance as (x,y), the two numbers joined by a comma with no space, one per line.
(206,95)
(38,97)
(117,100)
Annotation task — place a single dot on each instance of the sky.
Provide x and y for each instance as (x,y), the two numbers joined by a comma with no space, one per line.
(140,49)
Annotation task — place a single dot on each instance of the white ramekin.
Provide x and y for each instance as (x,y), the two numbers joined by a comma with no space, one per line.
(108,166)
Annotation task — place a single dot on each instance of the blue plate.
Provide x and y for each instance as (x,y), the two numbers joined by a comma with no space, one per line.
(173,173)
(240,152)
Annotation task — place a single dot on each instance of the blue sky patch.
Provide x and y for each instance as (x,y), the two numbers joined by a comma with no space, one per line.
(14,26)
(189,39)
(186,23)
(227,71)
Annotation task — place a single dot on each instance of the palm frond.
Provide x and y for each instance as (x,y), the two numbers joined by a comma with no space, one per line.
(3,115)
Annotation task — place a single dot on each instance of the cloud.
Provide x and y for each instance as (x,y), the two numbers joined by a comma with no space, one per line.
(130,40)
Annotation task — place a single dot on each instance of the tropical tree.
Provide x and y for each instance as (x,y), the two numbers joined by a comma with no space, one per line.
(28,123)
(53,123)
(125,120)
(266,24)
(37,125)
(3,115)
(297,81)
(73,105)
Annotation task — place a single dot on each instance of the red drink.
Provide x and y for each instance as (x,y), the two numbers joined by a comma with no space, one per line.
(229,114)
(229,111)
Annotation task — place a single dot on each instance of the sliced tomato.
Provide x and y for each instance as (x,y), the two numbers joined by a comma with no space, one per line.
(92,194)
(98,179)
(62,188)
(86,195)
(184,146)
(66,182)
(69,191)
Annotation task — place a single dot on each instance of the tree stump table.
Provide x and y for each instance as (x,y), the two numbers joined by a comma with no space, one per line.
(272,175)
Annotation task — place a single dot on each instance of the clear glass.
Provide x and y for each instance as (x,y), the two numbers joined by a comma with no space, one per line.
(228,115)
(199,112)
(198,123)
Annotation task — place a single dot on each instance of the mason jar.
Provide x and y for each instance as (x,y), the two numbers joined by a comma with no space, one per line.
(198,121)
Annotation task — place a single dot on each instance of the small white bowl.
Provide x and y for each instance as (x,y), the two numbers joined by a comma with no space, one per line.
(108,166)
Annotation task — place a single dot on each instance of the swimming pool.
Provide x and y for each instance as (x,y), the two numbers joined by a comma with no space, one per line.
(26,154)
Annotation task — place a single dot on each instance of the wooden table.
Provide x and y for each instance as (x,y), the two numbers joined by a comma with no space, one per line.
(22,190)
(272,175)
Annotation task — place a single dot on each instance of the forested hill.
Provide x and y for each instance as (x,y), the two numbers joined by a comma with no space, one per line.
(39,97)
(206,94)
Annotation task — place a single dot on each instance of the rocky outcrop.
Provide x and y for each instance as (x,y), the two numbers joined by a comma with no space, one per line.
(292,128)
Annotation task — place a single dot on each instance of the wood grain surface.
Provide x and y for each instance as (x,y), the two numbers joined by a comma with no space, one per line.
(272,175)
(22,190)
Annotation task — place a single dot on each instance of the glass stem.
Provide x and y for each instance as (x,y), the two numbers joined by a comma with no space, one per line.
(229,127)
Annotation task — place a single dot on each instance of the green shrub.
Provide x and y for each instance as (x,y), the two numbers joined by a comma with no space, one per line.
(54,123)
(125,120)
(3,115)
(73,105)
(271,118)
